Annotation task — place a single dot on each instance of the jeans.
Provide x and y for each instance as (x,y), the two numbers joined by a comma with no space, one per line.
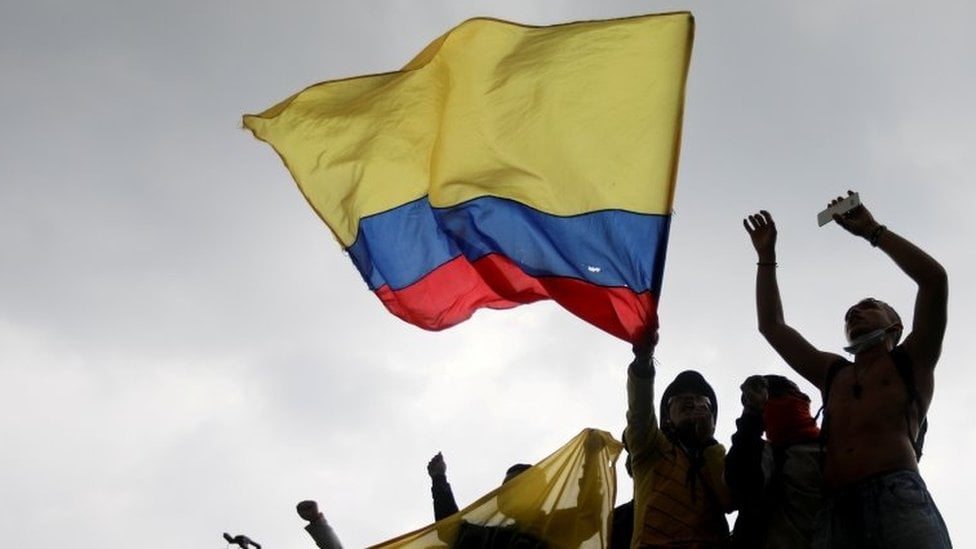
(889,511)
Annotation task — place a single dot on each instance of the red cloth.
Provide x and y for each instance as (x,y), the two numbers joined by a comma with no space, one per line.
(788,421)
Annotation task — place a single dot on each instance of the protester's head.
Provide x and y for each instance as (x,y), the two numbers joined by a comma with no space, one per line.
(689,409)
(523,490)
(779,386)
(786,414)
(514,471)
(872,314)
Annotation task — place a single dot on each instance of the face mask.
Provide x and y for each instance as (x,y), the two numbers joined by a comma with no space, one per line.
(866,341)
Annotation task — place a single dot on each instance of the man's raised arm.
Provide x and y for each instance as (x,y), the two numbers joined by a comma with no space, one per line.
(641,420)
(924,344)
(803,357)
(440,489)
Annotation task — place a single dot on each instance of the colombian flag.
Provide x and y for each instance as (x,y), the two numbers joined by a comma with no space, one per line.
(504,164)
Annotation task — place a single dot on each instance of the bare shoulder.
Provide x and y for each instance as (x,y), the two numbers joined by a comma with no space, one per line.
(801,355)
(819,367)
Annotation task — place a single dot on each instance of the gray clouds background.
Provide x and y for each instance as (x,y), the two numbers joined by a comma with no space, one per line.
(185,351)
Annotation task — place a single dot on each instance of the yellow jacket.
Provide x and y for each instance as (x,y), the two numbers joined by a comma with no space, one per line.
(670,511)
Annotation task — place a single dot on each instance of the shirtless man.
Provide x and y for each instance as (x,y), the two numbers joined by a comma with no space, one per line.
(871,422)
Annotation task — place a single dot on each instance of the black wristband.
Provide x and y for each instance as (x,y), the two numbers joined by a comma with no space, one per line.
(876,234)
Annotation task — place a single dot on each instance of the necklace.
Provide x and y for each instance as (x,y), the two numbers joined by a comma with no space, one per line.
(857,389)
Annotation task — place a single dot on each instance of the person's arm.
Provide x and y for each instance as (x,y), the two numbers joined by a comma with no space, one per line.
(641,419)
(807,360)
(924,343)
(440,489)
(318,527)
(570,526)
(589,500)
(241,541)
(744,464)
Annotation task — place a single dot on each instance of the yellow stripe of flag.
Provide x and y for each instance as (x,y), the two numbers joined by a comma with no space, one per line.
(567,119)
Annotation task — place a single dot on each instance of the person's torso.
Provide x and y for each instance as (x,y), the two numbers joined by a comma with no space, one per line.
(869,417)
(670,509)
(795,497)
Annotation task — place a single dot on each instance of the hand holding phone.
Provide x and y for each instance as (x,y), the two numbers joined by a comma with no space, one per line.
(850,202)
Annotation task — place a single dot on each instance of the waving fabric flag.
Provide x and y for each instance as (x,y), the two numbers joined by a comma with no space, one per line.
(503,165)
(564,501)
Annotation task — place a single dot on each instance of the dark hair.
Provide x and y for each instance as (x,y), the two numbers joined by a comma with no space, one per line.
(515,470)
(781,386)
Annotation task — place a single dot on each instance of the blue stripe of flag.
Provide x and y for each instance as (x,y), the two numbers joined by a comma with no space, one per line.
(611,248)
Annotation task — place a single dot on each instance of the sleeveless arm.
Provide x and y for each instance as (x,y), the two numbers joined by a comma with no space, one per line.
(924,343)
(803,357)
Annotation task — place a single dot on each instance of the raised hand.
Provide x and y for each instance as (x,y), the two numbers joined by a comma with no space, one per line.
(858,221)
(436,466)
(308,510)
(705,428)
(594,442)
(762,232)
(755,393)
(645,347)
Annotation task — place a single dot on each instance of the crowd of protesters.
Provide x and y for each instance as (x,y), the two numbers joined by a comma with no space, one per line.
(850,482)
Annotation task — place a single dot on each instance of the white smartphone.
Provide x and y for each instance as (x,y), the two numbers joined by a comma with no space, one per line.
(847,204)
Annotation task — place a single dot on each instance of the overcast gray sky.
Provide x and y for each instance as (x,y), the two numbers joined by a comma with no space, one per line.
(184,349)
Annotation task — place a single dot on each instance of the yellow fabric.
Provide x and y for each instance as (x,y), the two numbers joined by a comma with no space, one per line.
(567,119)
(564,501)
(668,511)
